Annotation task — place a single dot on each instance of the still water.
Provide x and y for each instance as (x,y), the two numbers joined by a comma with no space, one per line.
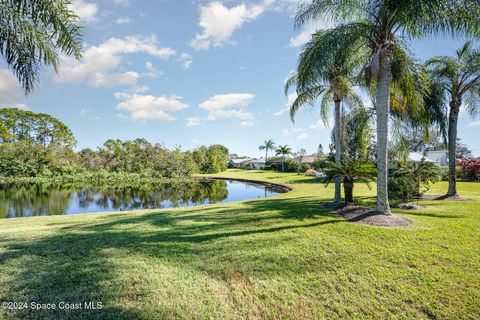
(25,200)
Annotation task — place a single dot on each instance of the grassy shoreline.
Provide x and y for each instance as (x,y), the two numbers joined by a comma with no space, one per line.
(280,257)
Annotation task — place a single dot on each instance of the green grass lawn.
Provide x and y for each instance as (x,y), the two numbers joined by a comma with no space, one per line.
(282,257)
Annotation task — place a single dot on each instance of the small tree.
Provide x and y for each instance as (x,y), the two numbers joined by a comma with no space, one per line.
(299,158)
(267,145)
(410,178)
(349,171)
(283,151)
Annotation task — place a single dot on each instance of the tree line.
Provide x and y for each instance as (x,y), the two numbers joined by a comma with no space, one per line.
(39,145)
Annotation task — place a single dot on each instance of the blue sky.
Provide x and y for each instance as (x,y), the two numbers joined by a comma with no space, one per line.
(187,73)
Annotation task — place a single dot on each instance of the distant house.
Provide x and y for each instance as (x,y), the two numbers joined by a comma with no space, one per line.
(238,163)
(415,157)
(439,158)
(307,159)
(257,164)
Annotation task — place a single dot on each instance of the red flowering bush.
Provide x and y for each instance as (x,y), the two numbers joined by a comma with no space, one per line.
(469,169)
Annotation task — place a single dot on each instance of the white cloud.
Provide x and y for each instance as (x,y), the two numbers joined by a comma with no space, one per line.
(152,72)
(298,133)
(320,125)
(310,28)
(123,20)
(121,2)
(290,99)
(186,61)
(474,124)
(85,10)
(100,79)
(148,107)
(11,92)
(228,106)
(84,112)
(247,124)
(220,22)
(193,122)
(290,6)
(100,60)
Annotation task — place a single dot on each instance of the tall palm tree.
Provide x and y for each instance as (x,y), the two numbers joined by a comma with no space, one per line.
(328,74)
(283,151)
(267,145)
(380,25)
(460,78)
(34,33)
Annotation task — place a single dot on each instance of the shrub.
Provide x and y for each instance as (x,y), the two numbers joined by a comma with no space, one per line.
(469,169)
(402,188)
(410,178)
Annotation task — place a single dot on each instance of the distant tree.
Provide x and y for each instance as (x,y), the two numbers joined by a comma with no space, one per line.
(283,151)
(34,34)
(299,156)
(267,145)
(463,151)
(320,150)
(460,78)
(36,128)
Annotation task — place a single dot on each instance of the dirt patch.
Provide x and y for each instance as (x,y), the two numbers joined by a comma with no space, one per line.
(444,198)
(366,215)
(408,206)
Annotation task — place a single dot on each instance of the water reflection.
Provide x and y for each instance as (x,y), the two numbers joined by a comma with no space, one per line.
(23,200)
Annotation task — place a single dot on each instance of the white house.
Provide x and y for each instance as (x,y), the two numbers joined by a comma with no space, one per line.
(439,158)
(257,164)
(415,157)
(238,163)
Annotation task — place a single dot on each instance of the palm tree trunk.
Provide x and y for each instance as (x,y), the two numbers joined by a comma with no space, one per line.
(348,190)
(452,148)
(383,108)
(266,155)
(337,200)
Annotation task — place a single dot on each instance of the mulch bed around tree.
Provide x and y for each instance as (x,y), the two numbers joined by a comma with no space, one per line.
(407,206)
(365,215)
(444,198)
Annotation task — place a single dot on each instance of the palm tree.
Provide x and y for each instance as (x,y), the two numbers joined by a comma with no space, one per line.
(422,174)
(267,145)
(460,78)
(349,171)
(34,33)
(380,25)
(328,74)
(283,151)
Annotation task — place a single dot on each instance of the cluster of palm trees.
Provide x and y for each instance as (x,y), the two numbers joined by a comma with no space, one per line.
(282,150)
(368,50)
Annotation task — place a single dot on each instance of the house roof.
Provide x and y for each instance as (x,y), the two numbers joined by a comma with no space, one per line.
(436,155)
(239,161)
(308,159)
(259,160)
(418,157)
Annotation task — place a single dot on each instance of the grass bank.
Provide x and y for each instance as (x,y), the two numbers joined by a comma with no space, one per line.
(282,257)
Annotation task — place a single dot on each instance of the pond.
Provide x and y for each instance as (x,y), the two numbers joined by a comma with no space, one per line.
(25,200)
